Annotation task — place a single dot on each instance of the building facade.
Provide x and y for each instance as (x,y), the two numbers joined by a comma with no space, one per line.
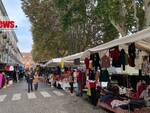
(9,51)
(27,60)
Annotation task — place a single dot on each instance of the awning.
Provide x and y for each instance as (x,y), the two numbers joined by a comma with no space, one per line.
(141,39)
(57,61)
(80,55)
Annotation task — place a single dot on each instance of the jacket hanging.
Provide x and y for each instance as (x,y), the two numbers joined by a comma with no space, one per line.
(132,55)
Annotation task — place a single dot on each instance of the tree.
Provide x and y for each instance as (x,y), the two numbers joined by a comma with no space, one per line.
(45,29)
(126,16)
(62,27)
(77,19)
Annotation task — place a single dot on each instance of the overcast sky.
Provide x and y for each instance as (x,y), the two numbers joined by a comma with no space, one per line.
(23,32)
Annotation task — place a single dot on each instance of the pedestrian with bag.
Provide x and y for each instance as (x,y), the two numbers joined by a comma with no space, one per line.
(30,78)
(36,81)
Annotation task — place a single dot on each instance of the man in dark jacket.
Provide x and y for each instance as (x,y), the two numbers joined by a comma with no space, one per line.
(30,78)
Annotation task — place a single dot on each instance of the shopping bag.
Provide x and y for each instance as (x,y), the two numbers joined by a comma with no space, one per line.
(10,82)
(89,92)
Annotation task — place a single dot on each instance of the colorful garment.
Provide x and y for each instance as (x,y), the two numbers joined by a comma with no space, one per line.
(1,79)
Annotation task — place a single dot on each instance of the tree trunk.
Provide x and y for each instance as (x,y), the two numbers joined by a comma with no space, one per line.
(147,13)
(135,15)
(120,28)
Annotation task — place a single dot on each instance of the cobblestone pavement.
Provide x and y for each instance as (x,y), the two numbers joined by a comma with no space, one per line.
(15,99)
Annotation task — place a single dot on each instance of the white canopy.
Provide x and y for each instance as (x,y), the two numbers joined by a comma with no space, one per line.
(57,61)
(80,55)
(49,62)
(141,39)
(53,61)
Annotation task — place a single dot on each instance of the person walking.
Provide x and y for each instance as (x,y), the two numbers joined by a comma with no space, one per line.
(79,82)
(14,76)
(36,81)
(1,79)
(30,78)
(71,81)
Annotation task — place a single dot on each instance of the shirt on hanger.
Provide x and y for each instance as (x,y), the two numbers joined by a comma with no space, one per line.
(105,62)
(87,63)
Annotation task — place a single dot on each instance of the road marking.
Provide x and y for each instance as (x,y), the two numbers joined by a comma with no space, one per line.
(45,94)
(58,93)
(2,97)
(61,111)
(31,96)
(16,97)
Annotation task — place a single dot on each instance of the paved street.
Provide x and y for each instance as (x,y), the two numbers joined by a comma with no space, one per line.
(15,99)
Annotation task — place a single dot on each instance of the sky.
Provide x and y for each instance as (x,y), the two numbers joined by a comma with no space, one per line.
(23,31)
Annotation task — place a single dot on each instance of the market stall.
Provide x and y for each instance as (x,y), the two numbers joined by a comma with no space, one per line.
(118,73)
(61,80)
(6,75)
(124,68)
(126,58)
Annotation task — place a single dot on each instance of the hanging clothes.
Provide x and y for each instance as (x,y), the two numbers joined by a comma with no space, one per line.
(126,59)
(77,61)
(132,55)
(104,77)
(115,55)
(79,76)
(91,75)
(145,66)
(87,63)
(95,60)
(58,70)
(149,58)
(122,58)
(90,64)
(139,89)
(105,62)
(146,69)
(97,75)
(139,59)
